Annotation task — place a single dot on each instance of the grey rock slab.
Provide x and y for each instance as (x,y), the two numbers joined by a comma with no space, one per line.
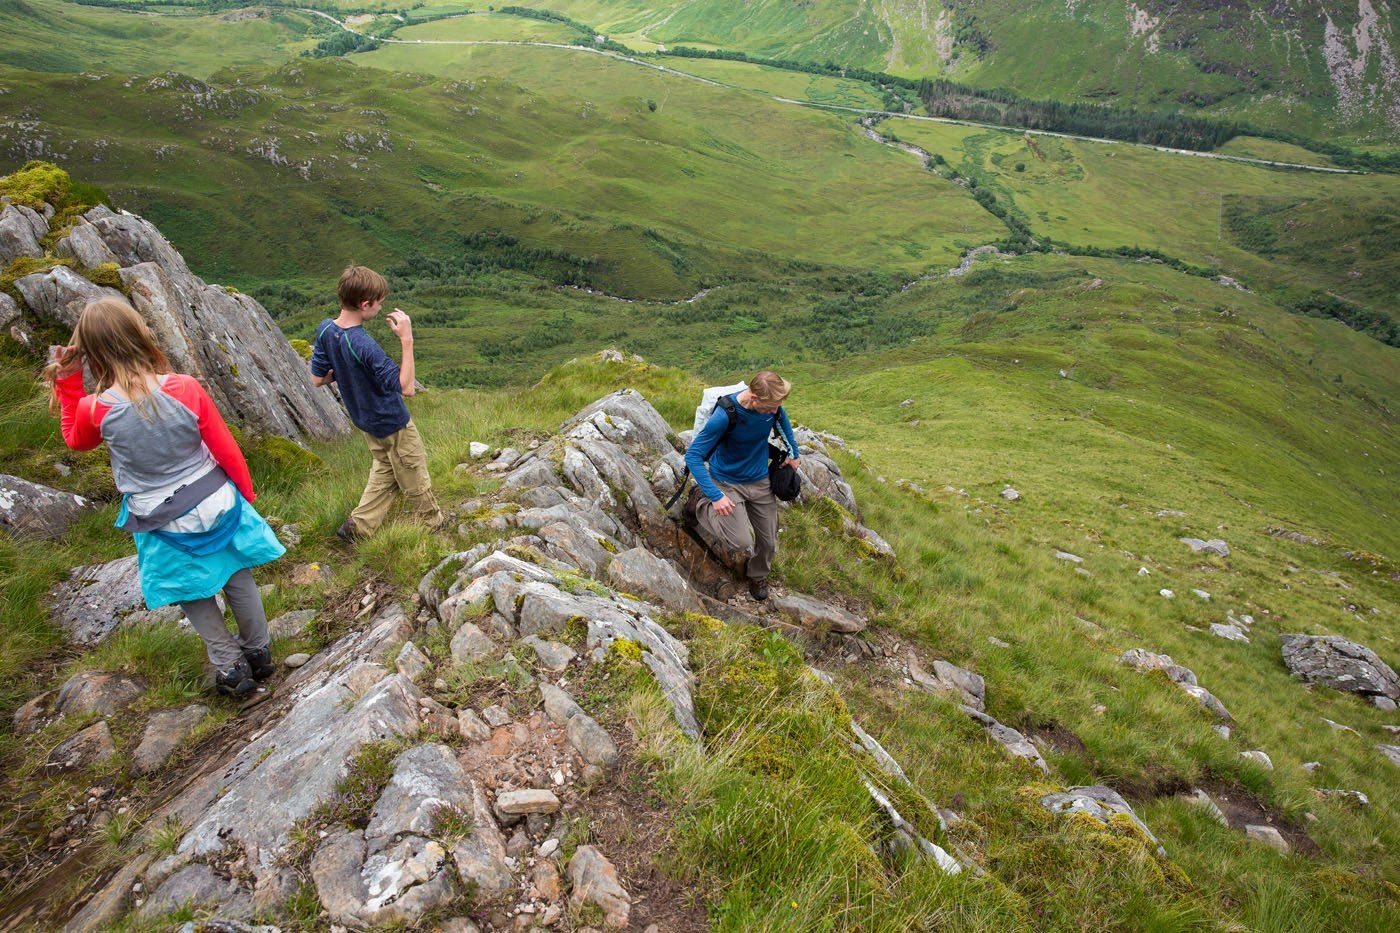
(481,856)
(876,545)
(1213,546)
(92,603)
(524,802)
(470,643)
(164,732)
(1268,836)
(406,880)
(335,871)
(17,236)
(1009,494)
(642,573)
(86,245)
(427,779)
(547,609)
(1207,700)
(290,624)
(591,741)
(625,475)
(553,656)
(594,880)
(877,751)
(589,552)
(1259,757)
(1391,752)
(89,746)
(967,687)
(1335,662)
(665,656)
(1102,803)
(534,473)
(1199,798)
(100,692)
(1143,661)
(412,662)
(60,294)
(292,768)
(199,885)
(31,509)
(822,479)
(1231,632)
(1067,556)
(627,419)
(814,613)
(558,705)
(106,907)
(1016,744)
(294,661)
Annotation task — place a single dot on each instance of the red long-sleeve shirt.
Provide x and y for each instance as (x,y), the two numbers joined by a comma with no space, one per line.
(83,416)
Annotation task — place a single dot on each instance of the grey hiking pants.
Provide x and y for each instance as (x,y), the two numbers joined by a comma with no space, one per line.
(750,530)
(243,598)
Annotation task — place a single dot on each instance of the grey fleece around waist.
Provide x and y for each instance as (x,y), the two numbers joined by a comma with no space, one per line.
(177,503)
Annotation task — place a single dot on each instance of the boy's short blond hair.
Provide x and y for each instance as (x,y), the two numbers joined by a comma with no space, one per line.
(769,386)
(359,284)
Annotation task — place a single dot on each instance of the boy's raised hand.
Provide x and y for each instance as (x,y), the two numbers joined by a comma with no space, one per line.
(401,324)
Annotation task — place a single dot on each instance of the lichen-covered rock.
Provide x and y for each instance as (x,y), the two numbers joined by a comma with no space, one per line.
(1102,803)
(1335,662)
(85,244)
(628,420)
(32,509)
(967,687)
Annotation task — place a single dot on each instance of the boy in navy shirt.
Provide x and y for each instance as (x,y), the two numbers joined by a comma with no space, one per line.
(373,389)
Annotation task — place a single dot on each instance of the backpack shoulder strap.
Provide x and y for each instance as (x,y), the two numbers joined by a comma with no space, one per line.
(726,404)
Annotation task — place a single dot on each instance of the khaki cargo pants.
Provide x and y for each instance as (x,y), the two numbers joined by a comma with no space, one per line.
(751,530)
(400,466)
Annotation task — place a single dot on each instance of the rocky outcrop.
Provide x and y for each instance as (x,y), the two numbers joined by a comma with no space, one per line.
(1335,662)
(31,509)
(225,339)
(1213,546)
(96,599)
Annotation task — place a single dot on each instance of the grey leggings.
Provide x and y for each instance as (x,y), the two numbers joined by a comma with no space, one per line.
(246,602)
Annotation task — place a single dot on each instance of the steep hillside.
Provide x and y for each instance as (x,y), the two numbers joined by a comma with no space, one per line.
(998,547)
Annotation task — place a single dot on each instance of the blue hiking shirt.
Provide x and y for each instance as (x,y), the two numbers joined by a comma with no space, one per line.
(740,458)
(368,379)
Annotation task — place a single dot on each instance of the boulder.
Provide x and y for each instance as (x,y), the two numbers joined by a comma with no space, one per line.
(594,880)
(1335,662)
(814,613)
(89,746)
(640,572)
(95,599)
(1268,836)
(100,692)
(558,705)
(591,741)
(164,733)
(31,509)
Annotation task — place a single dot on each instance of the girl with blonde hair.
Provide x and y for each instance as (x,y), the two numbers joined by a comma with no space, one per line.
(186,490)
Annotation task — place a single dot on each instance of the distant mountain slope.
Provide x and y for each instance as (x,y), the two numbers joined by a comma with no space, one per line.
(1304,65)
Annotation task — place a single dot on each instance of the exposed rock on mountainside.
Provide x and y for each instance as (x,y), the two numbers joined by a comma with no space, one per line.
(34,509)
(225,339)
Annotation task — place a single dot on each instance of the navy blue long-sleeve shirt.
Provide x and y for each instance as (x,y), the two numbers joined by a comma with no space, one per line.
(740,458)
(367,377)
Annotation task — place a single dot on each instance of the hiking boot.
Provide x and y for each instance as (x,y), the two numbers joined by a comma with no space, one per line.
(758,589)
(260,662)
(237,681)
(346,532)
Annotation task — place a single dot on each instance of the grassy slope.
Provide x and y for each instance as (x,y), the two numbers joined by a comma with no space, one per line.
(96,39)
(1252,411)
(1095,194)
